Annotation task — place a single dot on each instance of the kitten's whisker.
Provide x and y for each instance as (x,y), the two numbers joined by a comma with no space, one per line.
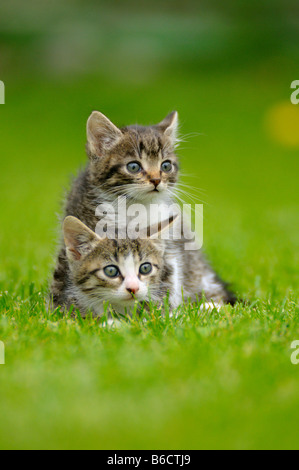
(193,198)
(193,188)
(184,137)
(172,193)
(176,189)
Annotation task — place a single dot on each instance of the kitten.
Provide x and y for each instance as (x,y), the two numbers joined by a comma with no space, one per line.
(121,272)
(139,164)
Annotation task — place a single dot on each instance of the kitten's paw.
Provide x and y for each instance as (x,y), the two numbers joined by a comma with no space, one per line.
(209,306)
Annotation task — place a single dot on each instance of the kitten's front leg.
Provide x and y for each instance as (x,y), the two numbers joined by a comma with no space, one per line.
(210,306)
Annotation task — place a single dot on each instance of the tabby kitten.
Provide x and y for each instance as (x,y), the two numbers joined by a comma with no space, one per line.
(138,163)
(118,272)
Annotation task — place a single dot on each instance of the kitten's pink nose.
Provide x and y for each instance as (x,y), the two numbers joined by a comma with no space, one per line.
(155,181)
(132,284)
(133,290)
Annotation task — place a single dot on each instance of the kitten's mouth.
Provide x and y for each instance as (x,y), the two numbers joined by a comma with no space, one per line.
(155,190)
(133,298)
(129,298)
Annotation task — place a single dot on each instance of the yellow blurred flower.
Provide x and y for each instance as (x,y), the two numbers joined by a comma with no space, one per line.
(282,124)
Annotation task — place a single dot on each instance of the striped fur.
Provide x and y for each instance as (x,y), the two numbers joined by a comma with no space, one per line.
(106,177)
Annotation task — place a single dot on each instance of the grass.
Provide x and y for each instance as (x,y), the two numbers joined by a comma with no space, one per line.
(204,379)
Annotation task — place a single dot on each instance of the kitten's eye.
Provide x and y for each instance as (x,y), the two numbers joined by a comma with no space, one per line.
(166,167)
(111,271)
(134,167)
(145,269)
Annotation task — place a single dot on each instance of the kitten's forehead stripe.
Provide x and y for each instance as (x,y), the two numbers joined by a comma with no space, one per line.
(141,147)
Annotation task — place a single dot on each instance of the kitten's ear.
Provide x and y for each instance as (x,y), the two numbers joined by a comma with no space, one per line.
(79,239)
(170,126)
(154,231)
(102,135)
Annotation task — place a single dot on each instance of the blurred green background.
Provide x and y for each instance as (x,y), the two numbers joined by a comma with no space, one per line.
(227,68)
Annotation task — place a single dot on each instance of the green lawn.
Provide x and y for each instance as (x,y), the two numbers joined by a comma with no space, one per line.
(202,380)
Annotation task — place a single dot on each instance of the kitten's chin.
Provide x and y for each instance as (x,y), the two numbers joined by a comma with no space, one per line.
(124,306)
(154,197)
(126,301)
